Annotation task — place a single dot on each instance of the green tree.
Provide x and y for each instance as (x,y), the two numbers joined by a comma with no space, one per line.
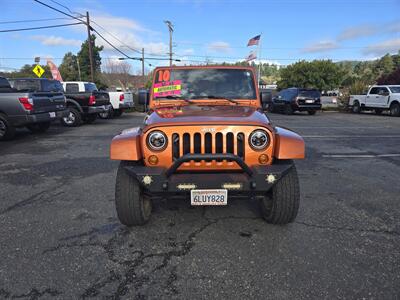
(69,67)
(385,65)
(84,61)
(319,74)
(27,71)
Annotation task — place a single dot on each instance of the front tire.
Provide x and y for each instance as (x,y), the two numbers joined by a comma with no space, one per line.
(74,118)
(395,110)
(7,131)
(281,204)
(133,206)
(288,110)
(311,112)
(39,127)
(118,112)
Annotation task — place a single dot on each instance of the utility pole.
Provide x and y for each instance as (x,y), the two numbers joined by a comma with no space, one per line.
(79,68)
(171,30)
(90,47)
(143,77)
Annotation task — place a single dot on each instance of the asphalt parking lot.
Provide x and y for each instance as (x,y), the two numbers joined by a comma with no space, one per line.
(60,236)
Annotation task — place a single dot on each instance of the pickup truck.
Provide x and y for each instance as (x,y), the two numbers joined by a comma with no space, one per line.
(119,102)
(31,103)
(84,102)
(378,98)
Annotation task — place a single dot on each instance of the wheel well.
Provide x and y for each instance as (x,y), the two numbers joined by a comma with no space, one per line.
(71,103)
(394,102)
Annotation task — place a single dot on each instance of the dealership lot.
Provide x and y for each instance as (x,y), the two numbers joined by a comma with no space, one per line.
(60,235)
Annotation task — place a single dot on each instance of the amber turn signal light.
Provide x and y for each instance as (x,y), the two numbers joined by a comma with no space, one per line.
(153,160)
(263,159)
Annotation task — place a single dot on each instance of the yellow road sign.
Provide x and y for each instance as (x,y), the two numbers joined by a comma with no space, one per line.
(38,70)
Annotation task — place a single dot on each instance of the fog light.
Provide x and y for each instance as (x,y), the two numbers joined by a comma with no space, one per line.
(153,160)
(263,159)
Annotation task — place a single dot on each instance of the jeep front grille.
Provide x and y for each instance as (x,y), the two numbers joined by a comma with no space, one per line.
(208,143)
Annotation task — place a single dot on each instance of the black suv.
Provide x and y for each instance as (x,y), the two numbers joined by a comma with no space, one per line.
(296,99)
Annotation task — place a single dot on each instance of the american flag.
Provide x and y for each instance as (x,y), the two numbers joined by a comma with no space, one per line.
(254,41)
(251,56)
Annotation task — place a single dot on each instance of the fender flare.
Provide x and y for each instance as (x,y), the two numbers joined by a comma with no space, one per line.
(126,146)
(74,103)
(288,144)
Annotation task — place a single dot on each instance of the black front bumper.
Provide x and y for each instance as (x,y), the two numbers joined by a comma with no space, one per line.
(257,179)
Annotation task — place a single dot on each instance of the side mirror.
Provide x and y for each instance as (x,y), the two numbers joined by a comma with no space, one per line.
(266,97)
(144,97)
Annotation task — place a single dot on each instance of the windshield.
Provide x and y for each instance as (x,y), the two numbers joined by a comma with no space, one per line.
(395,89)
(203,84)
(309,93)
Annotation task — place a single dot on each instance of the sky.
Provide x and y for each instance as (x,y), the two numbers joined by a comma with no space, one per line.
(213,30)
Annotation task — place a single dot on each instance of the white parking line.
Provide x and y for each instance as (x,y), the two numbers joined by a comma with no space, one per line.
(360,155)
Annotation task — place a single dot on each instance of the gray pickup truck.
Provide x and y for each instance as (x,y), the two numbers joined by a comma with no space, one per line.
(23,106)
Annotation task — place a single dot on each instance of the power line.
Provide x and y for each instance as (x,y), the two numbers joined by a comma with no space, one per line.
(41,27)
(133,49)
(36,20)
(60,11)
(67,8)
(108,42)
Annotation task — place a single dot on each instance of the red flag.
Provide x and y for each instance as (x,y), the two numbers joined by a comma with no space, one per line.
(254,41)
(54,70)
(251,56)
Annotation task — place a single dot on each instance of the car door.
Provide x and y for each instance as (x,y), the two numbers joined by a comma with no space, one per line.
(373,97)
(382,101)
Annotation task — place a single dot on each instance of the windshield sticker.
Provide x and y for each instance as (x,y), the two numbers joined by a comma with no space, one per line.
(164,75)
(167,88)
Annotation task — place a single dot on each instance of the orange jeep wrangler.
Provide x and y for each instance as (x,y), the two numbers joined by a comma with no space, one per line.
(206,136)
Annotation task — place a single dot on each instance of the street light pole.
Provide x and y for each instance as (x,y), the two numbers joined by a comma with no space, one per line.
(171,30)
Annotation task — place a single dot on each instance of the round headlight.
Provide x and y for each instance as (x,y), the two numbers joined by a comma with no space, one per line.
(259,139)
(157,140)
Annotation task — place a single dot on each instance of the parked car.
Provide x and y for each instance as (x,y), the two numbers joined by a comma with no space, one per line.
(84,102)
(120,101)
(378,98)
(296,99)
(206,136)
(31,103)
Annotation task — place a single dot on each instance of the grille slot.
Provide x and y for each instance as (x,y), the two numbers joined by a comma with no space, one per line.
(208,143)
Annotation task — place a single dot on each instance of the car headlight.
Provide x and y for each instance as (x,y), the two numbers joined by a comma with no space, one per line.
(157,140)
(259,139)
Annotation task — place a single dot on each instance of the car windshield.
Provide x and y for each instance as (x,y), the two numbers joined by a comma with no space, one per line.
(309,93)
(204,84)
(395,89)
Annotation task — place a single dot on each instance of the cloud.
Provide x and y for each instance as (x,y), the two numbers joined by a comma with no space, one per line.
(379,49)
(55,40)
(188,51)
(223,47)
(322,46)
(367,30)
(352,33)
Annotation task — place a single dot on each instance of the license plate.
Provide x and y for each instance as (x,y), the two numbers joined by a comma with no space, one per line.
(309,101)
(52,114)
(209,197)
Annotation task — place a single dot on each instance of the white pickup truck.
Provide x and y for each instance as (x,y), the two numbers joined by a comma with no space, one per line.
(119,102)
(378,98)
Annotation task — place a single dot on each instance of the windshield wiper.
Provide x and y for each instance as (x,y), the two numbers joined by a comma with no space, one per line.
(216,97)
(176,97)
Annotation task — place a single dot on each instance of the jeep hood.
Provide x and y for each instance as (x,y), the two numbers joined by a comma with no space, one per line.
(206,114)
